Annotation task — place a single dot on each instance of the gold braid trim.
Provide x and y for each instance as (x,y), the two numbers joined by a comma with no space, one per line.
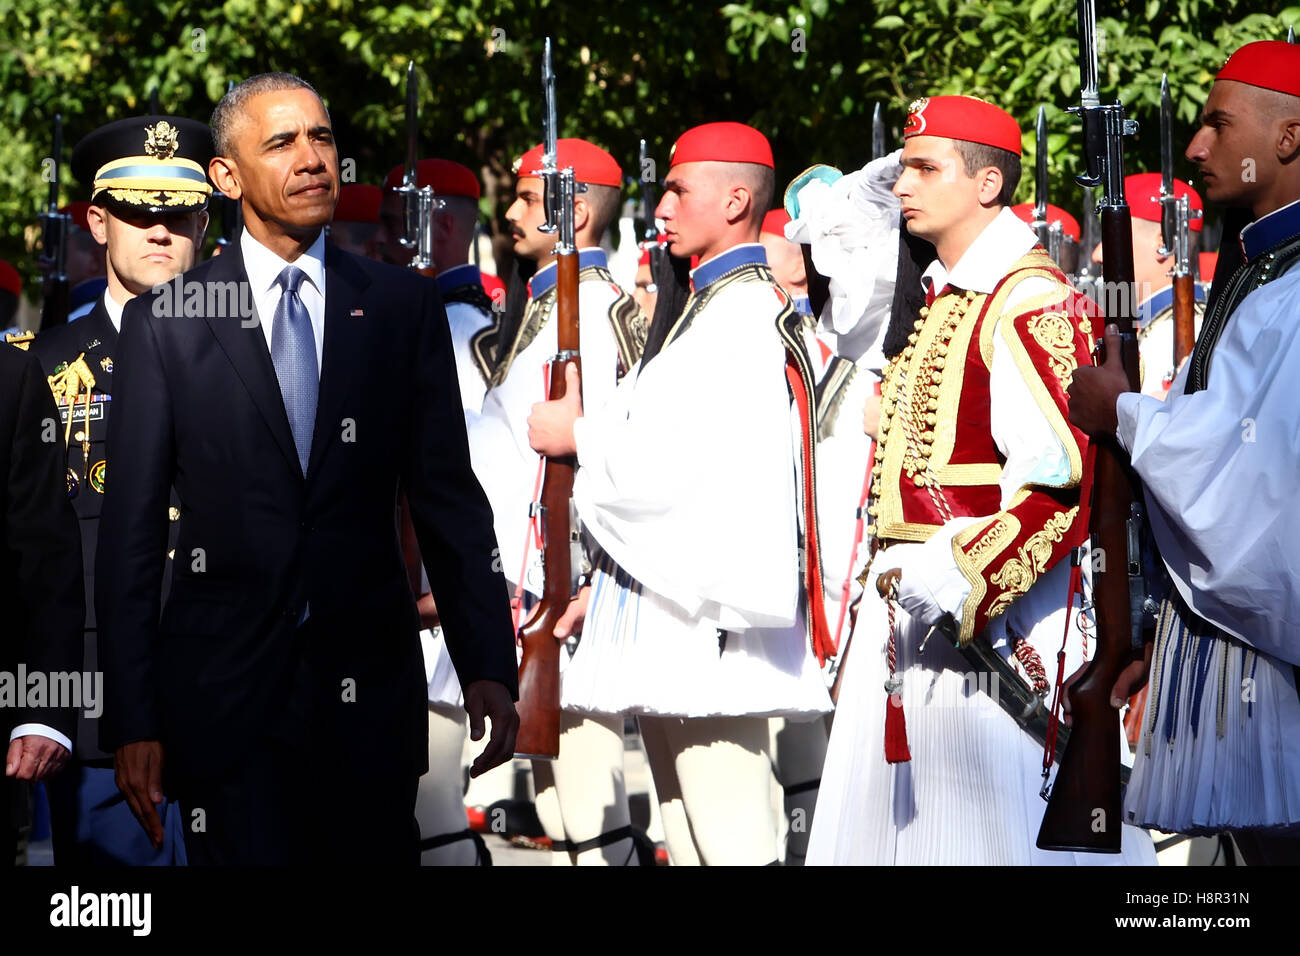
(1019,573)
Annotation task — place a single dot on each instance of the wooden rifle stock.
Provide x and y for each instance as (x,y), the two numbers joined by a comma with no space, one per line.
(1184,318)
(539,670)
(1083,812)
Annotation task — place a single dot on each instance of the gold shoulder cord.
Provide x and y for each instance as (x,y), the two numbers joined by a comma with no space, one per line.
(66,385)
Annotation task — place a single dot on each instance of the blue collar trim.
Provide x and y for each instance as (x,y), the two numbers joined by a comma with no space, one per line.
(1272,230)
(457,276)
(543,279)
(747,253)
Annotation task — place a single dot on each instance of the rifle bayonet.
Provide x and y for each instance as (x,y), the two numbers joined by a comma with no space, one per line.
(418,203)
(877,133)
(649,232)
(559,185)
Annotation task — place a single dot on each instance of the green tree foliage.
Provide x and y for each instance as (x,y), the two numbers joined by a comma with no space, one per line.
(807,72)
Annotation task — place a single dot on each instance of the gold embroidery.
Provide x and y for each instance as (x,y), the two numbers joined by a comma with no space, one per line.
(1055,335)
(158,197)
(1020,572)
(989,544)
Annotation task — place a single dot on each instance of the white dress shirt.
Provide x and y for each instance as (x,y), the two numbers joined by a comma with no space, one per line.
(114,310)
(264,267)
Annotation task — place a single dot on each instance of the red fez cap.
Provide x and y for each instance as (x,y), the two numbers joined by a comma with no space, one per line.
(446,178)
(774,222)
(1207,262)
(77,210)
(358,203)
(1069,225)
(1268,64)
(722,143)
(492,285)
(10,280)
(965,118)
(1142,190)
(590,163)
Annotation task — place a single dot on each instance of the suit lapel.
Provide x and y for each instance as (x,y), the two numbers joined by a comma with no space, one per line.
(244,343)
(344,342)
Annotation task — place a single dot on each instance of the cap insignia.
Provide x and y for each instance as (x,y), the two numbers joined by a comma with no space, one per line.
(162,139)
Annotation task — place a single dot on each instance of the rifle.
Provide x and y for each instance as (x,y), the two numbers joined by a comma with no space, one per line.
(1176,215)
(539,670)
(53,259)
(1083,810)
(418,203)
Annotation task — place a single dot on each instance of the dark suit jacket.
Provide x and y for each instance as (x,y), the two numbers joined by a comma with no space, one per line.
(41,604)
(197,406)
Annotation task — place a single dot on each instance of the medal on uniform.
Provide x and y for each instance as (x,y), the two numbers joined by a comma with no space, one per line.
(73,484)
(106,363)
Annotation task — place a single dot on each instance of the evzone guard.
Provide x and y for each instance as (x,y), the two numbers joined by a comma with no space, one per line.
(694,482)
(973,503)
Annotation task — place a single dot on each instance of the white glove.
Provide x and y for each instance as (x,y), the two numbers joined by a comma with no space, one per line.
(914,592)
(852,226)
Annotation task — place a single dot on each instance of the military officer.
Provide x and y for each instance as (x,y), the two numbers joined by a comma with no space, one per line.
(148,209)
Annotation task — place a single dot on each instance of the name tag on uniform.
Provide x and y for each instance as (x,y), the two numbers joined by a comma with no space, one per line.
(79,412)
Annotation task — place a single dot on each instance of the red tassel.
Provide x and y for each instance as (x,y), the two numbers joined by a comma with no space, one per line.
(896,750)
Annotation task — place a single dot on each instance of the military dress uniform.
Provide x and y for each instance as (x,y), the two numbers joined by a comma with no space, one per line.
(144,165)
(581,795)
(974,497)
(1218,748)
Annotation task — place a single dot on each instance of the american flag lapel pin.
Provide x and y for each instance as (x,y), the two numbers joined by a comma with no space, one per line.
(357,313)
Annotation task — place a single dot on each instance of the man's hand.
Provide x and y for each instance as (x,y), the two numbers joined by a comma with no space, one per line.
(871,416)
(550,426)
(574,615)
(33,757)
(1094,390)
(888,580)
(490,699)
(138,774)
(900,564)
(1130,680)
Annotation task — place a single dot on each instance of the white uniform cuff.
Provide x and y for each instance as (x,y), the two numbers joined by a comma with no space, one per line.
(40,730)
(1126,417)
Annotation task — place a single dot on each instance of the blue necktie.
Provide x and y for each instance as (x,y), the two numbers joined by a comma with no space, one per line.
(293,352)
